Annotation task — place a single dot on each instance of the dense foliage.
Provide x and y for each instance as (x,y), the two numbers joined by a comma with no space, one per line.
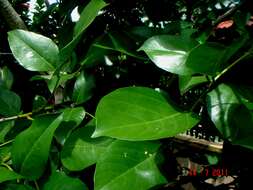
(95,104)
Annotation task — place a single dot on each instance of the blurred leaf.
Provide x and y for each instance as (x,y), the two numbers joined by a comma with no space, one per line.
(128,165)
(60,181)
(39,102)
(187,82)
(230,116)
(183,55)
(33,51)
(5,127)
(83,88)
(31,147)
(6,78)
(138,113)
(7,175)
(81,151)
(87,16)
(10,103)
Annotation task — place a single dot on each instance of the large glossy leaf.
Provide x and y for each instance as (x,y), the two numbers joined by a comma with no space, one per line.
(81,151)
(33,51)
(60,181)
(88,14)
(83,88)
(138,113)
(10,103)
(128,165)
(7,175)
(230,116)
(183,55)
(6,78)
(31,147)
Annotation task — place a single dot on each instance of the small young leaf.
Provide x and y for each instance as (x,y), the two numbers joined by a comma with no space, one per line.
(10,103)
(33,51)
(60,181)
(7,175)
(81,151)
(138,113)
(128,165)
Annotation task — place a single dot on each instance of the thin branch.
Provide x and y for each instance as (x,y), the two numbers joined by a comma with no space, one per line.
(11,17)
(26,115)
(5,143)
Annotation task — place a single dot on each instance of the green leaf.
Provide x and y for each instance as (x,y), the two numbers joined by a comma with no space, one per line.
(81,151)
(87,16)
(138,113)
(10,103)
(128,165)
(187,82)
(6,78)
(83,88)
(230,116)
(7,175)
(72,118)
(183,55)
(60,181)
(31,147)
(33,51)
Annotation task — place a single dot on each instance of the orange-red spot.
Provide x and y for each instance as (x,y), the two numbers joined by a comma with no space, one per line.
(225,24)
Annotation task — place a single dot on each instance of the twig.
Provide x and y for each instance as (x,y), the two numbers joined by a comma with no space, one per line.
(36,185)
(5,143)
(11,17)
(26,115)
